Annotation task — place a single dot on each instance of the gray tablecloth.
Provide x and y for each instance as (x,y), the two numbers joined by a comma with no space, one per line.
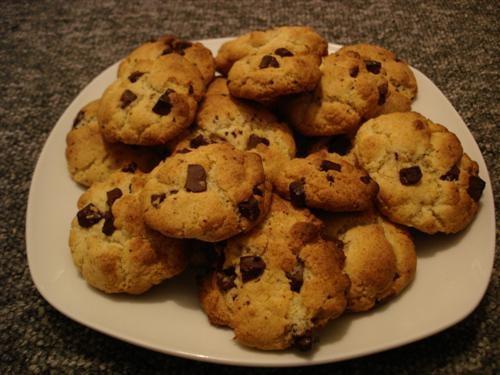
(49,50)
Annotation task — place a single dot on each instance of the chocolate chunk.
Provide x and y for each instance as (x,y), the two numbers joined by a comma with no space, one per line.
(88,216)
(131,168)
(79,117)
(269,61)
(191,89)
(163,106)
(258,192)
(172,192)
(330,178)
(353,72)
(451,175)
(339,144)
(296,276)
(476,187)
(156,199)
(250,209)
(297,193)
(303,342)
(283,52)
(127,98)
(365,179)
(382,94)
(327,165)
(168,49)
(198,141)
(373,66)
(254,140)
(196,180)
(135,76)
(410,176)
(226,278)
(113,195)
(109,224)
(251,267)
(180,45)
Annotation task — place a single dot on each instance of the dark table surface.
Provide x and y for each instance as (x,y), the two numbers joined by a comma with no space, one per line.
(50,50)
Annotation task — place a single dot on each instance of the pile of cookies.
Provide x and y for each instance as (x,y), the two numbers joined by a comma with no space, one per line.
(291,180)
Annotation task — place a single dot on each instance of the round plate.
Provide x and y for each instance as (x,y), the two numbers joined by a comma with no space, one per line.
(452,276)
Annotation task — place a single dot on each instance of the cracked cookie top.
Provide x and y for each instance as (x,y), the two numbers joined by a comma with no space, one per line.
(210,194)
(425,179)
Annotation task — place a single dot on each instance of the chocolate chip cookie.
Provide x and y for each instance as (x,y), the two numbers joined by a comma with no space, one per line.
(325,181)
(247,126)
(264,65)
(112,248)
(426,180)
(402,85)
(277,284)
(152,105)
(91,159)
(210,194)
(194,52)
(380,256)
(348,93)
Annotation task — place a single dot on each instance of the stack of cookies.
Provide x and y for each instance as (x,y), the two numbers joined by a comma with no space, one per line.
(292,179)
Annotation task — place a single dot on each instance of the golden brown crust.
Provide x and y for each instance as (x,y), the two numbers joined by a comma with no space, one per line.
(390,144)
(232,177)
(274,309)
(196,53)
(380,256)
(329,182)
(91,159)
(154,108)
(130,258)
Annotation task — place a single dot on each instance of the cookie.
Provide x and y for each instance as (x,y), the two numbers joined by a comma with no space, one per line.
(152,105)
(426,180)
(210,194)
(194,52)
(347,94)
(380,256)
(110,245)
(327,182)
(402,88)
(91,159)
(247,126)
(264,65)
(277,284)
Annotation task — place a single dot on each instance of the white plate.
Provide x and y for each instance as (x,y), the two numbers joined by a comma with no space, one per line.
(453,271)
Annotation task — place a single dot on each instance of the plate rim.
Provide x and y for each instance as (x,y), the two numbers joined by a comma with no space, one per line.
(298,361)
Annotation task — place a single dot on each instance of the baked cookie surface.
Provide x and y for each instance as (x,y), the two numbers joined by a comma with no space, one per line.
(402,85)
(264,65)
(277,283)
(194,52)
(210,194)
(91,159)
(152,105)
(426,181)
(110,245)
(380,256)
(245,125)
(325,181)
(347,94)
